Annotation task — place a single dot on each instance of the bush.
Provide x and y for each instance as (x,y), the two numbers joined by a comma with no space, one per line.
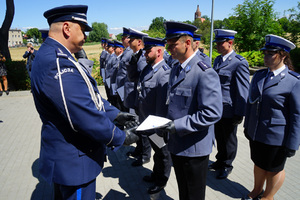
(96,72)
(17,75)
(295,57)
(254,58)
(214,55)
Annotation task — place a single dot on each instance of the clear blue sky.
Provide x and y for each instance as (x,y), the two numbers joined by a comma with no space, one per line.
(136,14)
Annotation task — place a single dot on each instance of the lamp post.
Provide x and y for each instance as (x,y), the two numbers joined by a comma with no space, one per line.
(211,31)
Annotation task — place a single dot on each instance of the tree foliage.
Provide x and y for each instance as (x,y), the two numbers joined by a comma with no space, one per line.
(99,31)
(253,20)
(157,25)
(33,32)
(292,24)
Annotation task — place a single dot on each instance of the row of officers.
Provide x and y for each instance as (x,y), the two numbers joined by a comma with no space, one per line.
(140,79)
(203,103)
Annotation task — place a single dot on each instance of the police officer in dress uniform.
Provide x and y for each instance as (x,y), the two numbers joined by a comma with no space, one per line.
(77,123)
(194,106)
(233,71)
(122,71)
(202,56)
(272,120)
(103,57)
(108,67)
(134,68)
(115,65)
(152,93)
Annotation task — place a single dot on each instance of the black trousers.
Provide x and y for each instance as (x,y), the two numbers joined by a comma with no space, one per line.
(162,164)
(82,192)
(191,175)
(143,147)
(225,133)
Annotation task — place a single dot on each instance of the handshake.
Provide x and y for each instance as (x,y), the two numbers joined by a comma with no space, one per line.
(128,123)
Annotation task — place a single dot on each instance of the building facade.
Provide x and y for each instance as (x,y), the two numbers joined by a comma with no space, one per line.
(15,38)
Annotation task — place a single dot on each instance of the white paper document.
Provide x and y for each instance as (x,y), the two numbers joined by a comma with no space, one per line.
(152,122)
(157,140)
(108,82)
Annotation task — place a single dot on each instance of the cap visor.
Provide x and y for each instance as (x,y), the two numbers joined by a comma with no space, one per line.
(269,48)
(220,40)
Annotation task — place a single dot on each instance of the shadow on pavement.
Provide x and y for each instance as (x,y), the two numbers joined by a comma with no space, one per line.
(42,190)
(130,178)
(226,186)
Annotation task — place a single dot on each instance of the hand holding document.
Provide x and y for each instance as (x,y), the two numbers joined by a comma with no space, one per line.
(152,122)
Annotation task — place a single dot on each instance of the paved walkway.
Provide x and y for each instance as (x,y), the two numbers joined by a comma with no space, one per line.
(20,128)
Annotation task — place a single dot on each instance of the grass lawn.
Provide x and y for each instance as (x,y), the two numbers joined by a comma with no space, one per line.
(92,51)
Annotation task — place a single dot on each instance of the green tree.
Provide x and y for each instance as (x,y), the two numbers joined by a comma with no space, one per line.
(294,24)
(99,31)
(253,20)
(35,34)
(204,30)
(218,24)
(157,25)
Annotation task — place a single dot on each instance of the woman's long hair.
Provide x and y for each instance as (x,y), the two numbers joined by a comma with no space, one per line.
(287,60)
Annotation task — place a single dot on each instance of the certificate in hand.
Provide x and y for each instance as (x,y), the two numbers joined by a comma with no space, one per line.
(152,122)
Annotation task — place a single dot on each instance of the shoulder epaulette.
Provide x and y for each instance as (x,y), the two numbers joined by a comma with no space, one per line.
(264,69)
(165,67)
(239,57)
(59,53)
(295,74)
(203,65)
(203,54)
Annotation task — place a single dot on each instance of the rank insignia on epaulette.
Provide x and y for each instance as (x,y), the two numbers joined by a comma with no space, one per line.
(165,67)
(203,65)
(294,74)
(60,53)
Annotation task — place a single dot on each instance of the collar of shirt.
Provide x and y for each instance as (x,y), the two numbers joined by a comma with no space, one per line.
(227,55)
(119,55)
(187,60)
(277,71)
(156,64)
(61,44)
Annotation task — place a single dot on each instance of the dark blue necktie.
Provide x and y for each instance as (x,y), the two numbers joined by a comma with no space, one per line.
(269,77)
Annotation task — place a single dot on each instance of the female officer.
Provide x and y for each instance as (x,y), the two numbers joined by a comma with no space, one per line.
(272,122)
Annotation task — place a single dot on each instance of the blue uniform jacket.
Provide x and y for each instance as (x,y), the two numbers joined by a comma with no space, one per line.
(172,62)
(234,77)
(103,57)
(113,76)
(133,74)
(195,105)
(122,71)
(273,110)
(74,132)
(109,65)
(152,88)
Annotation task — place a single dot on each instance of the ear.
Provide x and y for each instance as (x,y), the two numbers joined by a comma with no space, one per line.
(66,28)
(188,42)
